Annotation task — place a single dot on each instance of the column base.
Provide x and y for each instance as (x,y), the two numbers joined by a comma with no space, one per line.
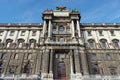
(46,76)
(76,76)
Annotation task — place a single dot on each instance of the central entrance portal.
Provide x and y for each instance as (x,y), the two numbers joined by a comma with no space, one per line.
(61,71)
(61,64)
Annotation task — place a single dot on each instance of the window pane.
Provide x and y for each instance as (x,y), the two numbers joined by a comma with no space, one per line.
(103,45)
(22,33)
(89,33)
(12,33)
(91,45)
(1,33)
(116,45)
(93,56)
(33,33)
(61,30)
(108,57)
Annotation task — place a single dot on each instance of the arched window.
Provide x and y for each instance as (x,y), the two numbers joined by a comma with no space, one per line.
(115,43)
(20,43)
(32,43)
(9,43)
(91,43)
(103,43)
(61,30)
(27,68)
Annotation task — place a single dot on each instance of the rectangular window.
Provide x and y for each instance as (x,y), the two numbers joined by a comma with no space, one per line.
(33,33)
(100,33)
(61,30)
(103,45)
(12,33)
(108,57)
(22,33)
(91,45)
(54,38)
(95,69)
(1,33)
(68,31)
(89,33)
(54,31)
(93,56)
(112,33)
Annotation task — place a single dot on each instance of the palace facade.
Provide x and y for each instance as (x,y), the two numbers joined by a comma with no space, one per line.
(60,48)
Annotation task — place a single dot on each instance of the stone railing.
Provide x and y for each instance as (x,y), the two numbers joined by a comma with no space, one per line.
(20,77)
(98,77)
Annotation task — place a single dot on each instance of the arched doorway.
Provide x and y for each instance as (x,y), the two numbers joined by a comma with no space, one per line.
(61,68)
(61,71)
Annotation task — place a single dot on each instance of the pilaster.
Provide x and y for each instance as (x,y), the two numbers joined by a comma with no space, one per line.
(49,29)
(84,62)
(38,64)
(51,61)
(44,28)
(78,28)
(77,61)
(45,75)
(73,29)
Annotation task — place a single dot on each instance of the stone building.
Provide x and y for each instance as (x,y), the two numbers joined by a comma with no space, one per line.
(59,48)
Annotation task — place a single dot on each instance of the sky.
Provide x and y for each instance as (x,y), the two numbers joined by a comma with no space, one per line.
(30,11)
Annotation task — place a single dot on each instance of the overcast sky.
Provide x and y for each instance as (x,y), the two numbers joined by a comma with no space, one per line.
(29,11)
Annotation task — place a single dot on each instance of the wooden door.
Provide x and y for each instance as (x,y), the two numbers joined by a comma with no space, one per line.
(61,71)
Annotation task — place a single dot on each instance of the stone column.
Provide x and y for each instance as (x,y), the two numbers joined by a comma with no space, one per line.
(77,61)
(51,61)
(44,28)
(46,58)
(77,75)
(38,63)
(49,29)
(84,62)
(78,28)
(71,61)
(50,75)
(4,39)
(7,62)
(16,41)
(73,29)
